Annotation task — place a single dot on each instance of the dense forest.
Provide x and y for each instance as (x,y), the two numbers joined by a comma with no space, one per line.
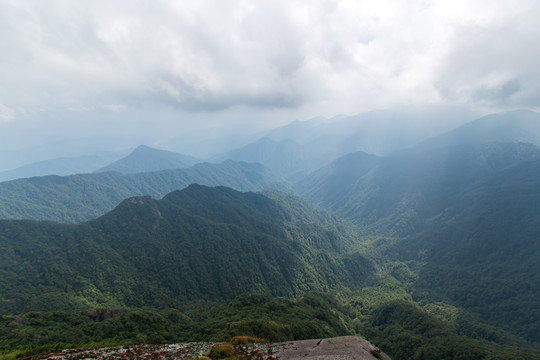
(430,253)
(84,197)
(197,250)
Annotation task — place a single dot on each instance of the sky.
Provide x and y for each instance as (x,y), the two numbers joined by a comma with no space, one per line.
(151,71)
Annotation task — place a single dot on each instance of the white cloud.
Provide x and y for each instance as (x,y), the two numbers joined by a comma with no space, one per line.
(114,107)
(6,114)
(318,57)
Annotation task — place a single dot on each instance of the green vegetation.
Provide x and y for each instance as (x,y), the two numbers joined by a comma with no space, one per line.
(221,351)
(243,339)
(196,244)
(440,264)
(404,331)
(83,197)
(399,328)
(377,354)
(276,319)
(459,225)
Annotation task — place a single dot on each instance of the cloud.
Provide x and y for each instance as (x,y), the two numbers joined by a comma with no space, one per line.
(114,107)
(494,62)
(328,56)
(6,114)
(499,93)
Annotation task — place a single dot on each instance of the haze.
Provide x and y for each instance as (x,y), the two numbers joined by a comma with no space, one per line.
(95,76)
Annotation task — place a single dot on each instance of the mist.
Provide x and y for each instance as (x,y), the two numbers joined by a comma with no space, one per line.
(207,78)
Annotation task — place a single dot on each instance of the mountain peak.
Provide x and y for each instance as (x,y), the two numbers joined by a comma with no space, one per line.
(510,126)
(145,159)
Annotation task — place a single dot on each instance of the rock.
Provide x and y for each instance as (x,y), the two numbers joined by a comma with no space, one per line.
(340,348)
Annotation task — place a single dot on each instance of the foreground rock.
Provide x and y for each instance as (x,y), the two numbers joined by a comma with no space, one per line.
(341,348)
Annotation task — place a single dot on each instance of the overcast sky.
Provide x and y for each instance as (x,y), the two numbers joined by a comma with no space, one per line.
(163,67)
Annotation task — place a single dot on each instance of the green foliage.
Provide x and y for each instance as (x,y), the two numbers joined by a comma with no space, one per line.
(83,197)
(198,243)
(377,354)
(400,328)
(221,351)
(243,339)
(248,318)
(463,219)
(404,331)
(445,268)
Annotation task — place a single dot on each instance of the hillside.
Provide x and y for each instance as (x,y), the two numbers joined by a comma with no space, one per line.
(82,197)
(194,244)
(396,194)
(487,251)
(196,250)
(147,159)
(464,217)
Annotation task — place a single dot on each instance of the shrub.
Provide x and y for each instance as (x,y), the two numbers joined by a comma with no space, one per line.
(221,351)
(377,354)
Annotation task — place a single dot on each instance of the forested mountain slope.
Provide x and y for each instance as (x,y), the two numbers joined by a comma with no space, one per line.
(82,197)
(196,244)
(396,194)
(467,216)
(483,252)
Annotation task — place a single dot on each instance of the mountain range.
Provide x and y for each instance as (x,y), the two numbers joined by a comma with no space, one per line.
(469,213)
(428,248)
(82,197)
(59,166)
(304,146)
(197,243)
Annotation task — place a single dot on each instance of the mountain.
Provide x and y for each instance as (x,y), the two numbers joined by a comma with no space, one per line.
(510,126)
(147,159)
(194,244)
(377,132)
(399,192)
(283,157)
(301,147)
(59,166)
(467,217)
(487,251)
(82,197)
(200,247)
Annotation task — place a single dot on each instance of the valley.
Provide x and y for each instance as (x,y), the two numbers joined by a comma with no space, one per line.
(428,251)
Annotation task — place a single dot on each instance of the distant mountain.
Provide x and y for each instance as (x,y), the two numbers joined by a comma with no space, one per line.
(194,244)
(147,159)
(377,132)
(59,166)
(305,146)
(283,157)
(468,215)
(83,197)
(399,192)
(510,126)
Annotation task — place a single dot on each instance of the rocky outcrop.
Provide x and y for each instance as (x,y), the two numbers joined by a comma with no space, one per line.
(340,348)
